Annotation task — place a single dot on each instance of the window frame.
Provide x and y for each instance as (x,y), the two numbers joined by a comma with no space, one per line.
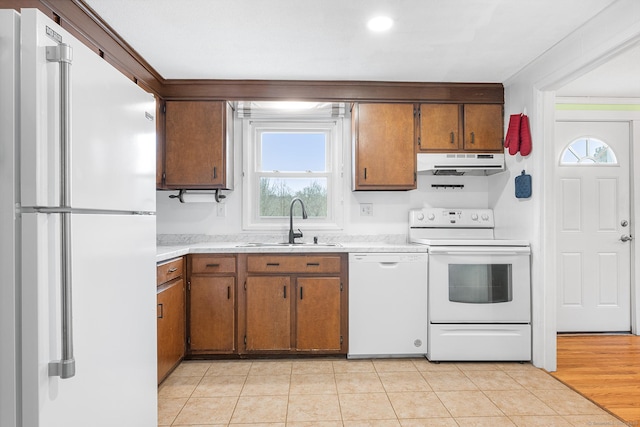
(252,129)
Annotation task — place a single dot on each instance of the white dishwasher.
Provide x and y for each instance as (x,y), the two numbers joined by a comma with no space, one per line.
(387,304)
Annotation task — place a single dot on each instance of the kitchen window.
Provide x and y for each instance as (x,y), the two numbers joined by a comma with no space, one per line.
(288,155)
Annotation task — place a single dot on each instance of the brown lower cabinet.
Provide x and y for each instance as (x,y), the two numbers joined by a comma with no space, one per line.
(212,304)
(318,314)
(171,316)
(295,304)
(268,313)
(259,304)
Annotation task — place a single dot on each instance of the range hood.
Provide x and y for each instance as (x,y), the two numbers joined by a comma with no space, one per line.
(461,163)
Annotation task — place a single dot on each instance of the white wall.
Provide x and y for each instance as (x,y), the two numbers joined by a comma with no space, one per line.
(532,90)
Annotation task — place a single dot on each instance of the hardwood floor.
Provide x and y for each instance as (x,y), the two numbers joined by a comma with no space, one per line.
(605,369)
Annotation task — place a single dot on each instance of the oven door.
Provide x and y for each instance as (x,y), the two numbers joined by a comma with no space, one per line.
(477,284)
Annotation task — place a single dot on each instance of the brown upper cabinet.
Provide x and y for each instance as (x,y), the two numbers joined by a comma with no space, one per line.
(384,141)
(461,127)
(197,152)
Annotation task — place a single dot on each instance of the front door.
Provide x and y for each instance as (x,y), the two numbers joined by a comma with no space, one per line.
(593,226)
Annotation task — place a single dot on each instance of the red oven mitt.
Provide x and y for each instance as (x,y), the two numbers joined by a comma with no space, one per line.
(525,136)
(512,140)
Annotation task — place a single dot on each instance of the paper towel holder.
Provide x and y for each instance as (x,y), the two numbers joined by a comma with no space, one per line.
(181,193)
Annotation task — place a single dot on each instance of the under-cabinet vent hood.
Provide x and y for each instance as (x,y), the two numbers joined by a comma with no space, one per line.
(461,163)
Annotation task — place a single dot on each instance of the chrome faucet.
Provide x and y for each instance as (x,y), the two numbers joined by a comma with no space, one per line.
(292,235)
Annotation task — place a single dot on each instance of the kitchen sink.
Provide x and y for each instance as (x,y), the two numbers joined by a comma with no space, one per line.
(286,244)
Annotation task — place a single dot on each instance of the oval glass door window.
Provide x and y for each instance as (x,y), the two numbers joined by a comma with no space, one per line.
(588,151)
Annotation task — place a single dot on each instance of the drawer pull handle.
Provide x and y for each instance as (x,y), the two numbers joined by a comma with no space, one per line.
(161,310)
(173,270)
(213,265)
(285,292)
(313,264)
(300,292)
(273,264)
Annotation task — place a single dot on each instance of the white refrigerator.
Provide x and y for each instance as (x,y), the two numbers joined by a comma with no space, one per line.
(77,227)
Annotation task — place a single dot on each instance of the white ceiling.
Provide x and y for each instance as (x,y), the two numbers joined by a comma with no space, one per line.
(431,40)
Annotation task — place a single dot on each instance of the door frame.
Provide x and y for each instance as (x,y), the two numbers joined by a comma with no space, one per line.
(586,114)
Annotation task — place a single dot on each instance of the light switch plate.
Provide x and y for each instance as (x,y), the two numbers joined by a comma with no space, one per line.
(221,209)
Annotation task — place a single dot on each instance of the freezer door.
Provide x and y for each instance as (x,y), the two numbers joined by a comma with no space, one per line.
(112,127)
(114,322)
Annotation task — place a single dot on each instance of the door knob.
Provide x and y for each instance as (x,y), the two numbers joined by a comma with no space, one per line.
(626,238)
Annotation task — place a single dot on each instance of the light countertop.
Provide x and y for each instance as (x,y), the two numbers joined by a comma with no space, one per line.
(165,252)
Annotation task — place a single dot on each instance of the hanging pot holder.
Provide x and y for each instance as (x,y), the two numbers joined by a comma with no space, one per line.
(523,186)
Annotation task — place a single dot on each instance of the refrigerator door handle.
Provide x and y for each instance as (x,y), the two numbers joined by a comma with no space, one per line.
(66,366)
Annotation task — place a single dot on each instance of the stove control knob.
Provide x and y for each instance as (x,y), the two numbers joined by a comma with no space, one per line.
(420,216)
(474,216)
(485,217)
(431,217)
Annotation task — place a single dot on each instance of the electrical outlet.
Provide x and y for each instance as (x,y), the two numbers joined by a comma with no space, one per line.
(221,210)
(366,209)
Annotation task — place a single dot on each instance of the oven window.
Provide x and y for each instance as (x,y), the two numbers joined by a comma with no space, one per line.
(480,283)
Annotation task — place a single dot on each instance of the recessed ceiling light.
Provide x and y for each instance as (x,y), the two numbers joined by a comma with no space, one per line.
(380,23)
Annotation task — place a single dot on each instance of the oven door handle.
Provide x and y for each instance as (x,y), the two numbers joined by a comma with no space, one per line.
(478,251)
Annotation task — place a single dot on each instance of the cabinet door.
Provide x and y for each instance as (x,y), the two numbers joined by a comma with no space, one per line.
(212,313)
(483,127)
(318,313)
(195,135)
(268,313)
(439,127)
(171,339)
(384,147)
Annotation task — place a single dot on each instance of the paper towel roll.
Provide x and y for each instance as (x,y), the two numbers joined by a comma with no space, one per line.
(194,196)
(198,197)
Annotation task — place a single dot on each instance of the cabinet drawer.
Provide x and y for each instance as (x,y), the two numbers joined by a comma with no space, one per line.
(213,264)
(293,264)
(170,270)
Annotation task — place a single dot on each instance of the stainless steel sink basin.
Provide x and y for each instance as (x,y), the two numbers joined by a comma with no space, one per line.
(286,244)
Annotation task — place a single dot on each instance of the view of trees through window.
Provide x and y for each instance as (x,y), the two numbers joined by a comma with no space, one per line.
(293,164)
(276,195)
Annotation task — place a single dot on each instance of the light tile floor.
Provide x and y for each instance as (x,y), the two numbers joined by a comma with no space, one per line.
(378,392)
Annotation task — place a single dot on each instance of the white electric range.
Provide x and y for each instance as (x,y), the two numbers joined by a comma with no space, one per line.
(479,287)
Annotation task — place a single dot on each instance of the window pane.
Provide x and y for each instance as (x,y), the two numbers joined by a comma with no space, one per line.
(588,151)
(276,195)
(293,152)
